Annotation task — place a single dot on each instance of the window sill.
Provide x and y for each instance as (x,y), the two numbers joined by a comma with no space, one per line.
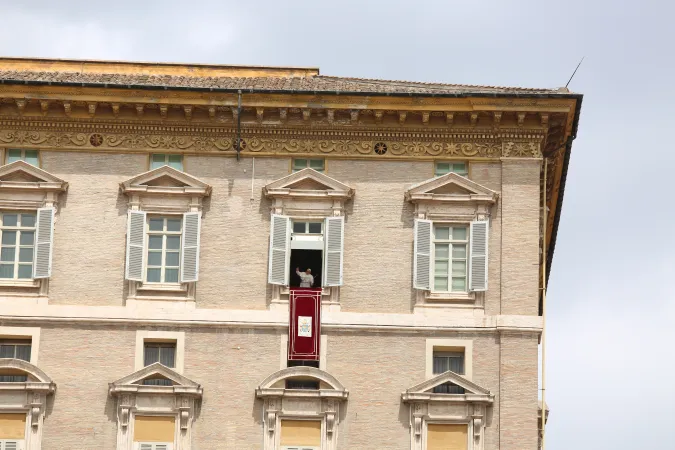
(162,287)
(25,283)
(449,296)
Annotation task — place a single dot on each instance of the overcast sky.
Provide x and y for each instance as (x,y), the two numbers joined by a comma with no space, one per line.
(611,308)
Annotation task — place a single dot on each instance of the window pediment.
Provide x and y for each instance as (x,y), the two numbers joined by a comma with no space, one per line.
(424,390)
(37,379)
(165,180)
(20,175)
(450,188)
(134,382)
(308,184)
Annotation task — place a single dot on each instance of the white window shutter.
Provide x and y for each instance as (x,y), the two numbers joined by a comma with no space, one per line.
(42,266)
(334,250)
(280,250)
(190,250)
(135,245)
(422,251)
(11,445)
(479,256)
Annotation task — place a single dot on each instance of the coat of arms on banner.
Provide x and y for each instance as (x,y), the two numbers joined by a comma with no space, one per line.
(304,326)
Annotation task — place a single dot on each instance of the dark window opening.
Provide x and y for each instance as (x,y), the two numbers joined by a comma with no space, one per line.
(13,378)
(444,361)
(448,388)
(302,384)
(18,348)
(157,382)
(303,260)
(303,362)
(161,352)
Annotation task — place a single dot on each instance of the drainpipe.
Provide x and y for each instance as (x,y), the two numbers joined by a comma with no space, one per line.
(543,316)
(238,146)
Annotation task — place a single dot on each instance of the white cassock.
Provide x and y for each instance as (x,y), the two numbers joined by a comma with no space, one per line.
(306,280)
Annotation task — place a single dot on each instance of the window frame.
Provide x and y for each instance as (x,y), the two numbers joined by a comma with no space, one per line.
(19,229)
(177,337)
(434,345)
(465,173)
(308,164)
(25,342)
(166,161)
(164,250)
(160,344)
(450,242)
(23,156)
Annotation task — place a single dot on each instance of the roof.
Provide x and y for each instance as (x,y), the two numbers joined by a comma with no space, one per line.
(221,77)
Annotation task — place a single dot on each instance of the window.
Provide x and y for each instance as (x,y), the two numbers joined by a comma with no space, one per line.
(18,240)
(19,349)
(303,362)
(163,159)
(154,432)
(302,163)
(30,156)
(307,227)
(450,258)
(161,352)
(302,384)
(444,361)
(164,236)
(460,168)
(154,446)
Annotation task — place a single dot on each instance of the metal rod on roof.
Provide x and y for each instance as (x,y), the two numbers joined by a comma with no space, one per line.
(238,142)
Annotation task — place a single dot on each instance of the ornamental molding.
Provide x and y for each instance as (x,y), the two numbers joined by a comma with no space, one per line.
(308,184)
(165,180)
(29,396)
(450,188)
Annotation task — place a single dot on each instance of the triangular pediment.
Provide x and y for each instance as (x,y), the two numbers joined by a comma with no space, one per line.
(155,371)
(307,182)
(22,172)
(165,179)
(451,378)
(450,187)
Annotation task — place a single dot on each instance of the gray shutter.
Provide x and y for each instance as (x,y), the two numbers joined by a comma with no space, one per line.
(479,256)
(42,266)
(422,251)
(334,246)
(11,445)
(144,446)
(135,245)
(190,250)
(280,253)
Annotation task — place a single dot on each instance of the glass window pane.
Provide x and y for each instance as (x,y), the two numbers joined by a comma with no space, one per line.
(173,224)
(171,275)
(155,242)
(156,224)
(441,284)
(9,238)
(442,232)
(442,168)
(154,258)
(167,356)
(151,355)
(441,268)
(25,254)
(25,271)
(299,227)
(176,161)
(457,364)
(459,251)
(6,270)
(27,237)
(13,155)
(440,365)
(27,220)
(158,160)
(7,351)
(9,220)
(32,157)
(173,242)
(315,227)
(316,164)
(458,268)
(171,259)
(299,164)
(442,251)
(459,284)
(7,254)
(23,352)
(154,275)
(459,233)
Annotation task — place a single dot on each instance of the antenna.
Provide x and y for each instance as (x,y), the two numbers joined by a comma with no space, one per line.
(575,71)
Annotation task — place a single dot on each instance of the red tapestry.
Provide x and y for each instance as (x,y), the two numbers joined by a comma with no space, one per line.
(304,330)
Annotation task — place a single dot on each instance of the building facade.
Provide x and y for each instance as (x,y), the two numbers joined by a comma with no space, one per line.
(158,221)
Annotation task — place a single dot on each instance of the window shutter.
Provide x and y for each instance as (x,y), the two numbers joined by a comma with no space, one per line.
(42,267)
(334,245)
(422,262)
(135,245)
(143,446)
(479,256)
(280,242)
(190,250)
(10,445)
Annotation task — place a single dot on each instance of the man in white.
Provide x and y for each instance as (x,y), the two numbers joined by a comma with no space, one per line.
(306,278)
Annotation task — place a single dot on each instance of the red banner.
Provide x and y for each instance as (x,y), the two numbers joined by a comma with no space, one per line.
(304,330)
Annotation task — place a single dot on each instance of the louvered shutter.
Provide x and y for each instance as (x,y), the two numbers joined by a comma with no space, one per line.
(11,445)
(144,446)
(479,256)
(422,251)
(190,250)
(135,245)
(280,253)
(42,266)
(162,447)
(334,249)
